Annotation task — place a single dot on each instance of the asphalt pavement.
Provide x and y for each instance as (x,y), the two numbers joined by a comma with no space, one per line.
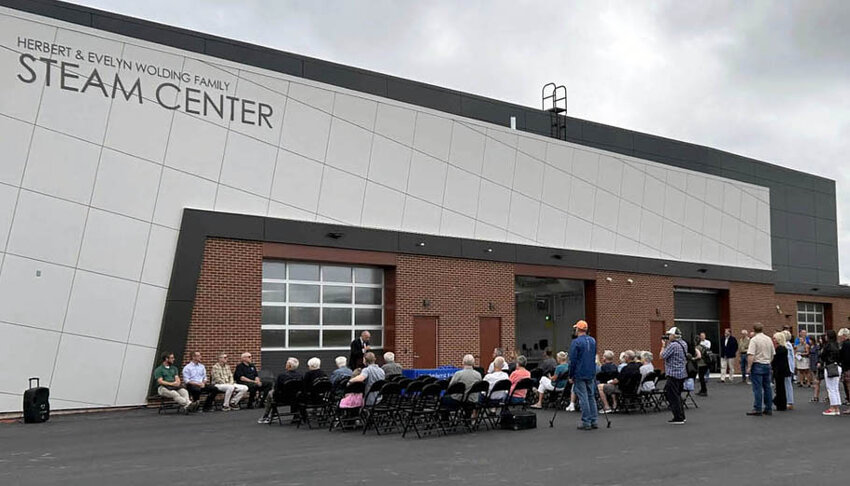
(719,444)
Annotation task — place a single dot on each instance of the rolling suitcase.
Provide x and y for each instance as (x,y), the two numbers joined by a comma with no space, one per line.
(520,420)
(36,403)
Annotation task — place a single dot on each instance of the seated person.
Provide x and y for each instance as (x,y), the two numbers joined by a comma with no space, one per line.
(352,400)
(290,373)
(468,377)
(646,369)
(391,367)
(341,371)
(222,379)
(548,383)
(548,365)
(498,353)
(313,373)
(519,373)
(628,375)
(370,374)
(496,376)
(608,368)
(195,376)
(246,374)
(169,386)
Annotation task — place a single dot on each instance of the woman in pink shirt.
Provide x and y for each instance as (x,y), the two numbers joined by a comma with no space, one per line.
(519,373)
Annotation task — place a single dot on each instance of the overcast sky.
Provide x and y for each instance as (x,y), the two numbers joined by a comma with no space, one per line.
(768,80)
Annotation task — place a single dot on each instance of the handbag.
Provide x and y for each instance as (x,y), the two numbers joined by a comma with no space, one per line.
(832,370)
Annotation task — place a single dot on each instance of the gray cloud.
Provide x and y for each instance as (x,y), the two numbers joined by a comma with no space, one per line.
(762,79)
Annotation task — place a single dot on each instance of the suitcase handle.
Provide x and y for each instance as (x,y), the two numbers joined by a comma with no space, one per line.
(37,382)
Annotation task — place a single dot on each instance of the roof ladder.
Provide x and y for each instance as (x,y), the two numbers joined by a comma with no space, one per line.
(555,103)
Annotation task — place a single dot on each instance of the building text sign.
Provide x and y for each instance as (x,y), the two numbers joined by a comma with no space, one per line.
(67,68)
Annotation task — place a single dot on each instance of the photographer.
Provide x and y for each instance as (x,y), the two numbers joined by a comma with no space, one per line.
(674,351)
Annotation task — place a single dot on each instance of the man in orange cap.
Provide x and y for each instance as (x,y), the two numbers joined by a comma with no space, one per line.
(583,374)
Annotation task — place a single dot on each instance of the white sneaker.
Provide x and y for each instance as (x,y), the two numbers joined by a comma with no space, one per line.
(571,408)
(264,420)
(226,408)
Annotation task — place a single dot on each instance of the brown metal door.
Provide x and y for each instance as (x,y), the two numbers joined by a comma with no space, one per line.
(425,342)
(489,337)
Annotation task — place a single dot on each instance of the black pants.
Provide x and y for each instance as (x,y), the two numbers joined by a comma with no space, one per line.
(702,371)
(673,392)
(253,388)
(779,399)
(196,390)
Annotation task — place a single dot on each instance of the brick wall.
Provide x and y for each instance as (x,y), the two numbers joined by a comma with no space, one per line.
(624,310)
(227,313)
(750,303)
(837,310)
(459,292)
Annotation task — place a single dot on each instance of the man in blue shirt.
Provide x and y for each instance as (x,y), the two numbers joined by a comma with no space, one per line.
(197,381)
(674,351)
(583,374)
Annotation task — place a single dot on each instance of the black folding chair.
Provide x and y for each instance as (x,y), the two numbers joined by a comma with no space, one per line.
(314,404)
(471,406)
(526,384)
(536,374)
(383,415)
(451,408)
(347,418)
(658,395)
(373,391)
(628,396)
(646,396)
(283,396)
(554,397)
(490,408)
(423,415)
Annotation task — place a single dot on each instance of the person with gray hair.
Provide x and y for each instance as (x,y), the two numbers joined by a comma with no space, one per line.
(341,371)
(645,370)
(496,376)
(222,378)
(314,372)
(290,373)
(519,373)
(549,383)
(465,375)
(391,367)
(498,353)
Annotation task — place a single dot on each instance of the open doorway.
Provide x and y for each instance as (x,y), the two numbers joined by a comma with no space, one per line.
(698,311)
(546,309)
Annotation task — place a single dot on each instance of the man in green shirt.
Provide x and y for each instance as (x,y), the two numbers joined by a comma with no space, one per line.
(167,378)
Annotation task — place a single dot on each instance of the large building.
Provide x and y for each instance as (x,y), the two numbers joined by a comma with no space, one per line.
(162,189)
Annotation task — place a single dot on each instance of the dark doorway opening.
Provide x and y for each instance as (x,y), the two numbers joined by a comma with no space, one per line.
(546,309)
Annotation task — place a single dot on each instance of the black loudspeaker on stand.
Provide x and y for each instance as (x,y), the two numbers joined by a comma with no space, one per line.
(36,403)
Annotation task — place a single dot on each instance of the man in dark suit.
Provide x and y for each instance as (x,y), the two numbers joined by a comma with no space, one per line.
(359,347)
(728,350)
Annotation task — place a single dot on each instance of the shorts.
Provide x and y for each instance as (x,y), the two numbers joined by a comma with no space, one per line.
(610,389)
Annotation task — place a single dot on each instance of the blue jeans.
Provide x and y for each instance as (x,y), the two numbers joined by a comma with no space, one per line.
(789,390)
(585,390)
(744,366)
(762,392)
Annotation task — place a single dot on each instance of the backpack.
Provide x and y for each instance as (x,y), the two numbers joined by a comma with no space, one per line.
(707,357)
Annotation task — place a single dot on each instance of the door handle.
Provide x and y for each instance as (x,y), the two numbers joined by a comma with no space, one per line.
(415,355)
